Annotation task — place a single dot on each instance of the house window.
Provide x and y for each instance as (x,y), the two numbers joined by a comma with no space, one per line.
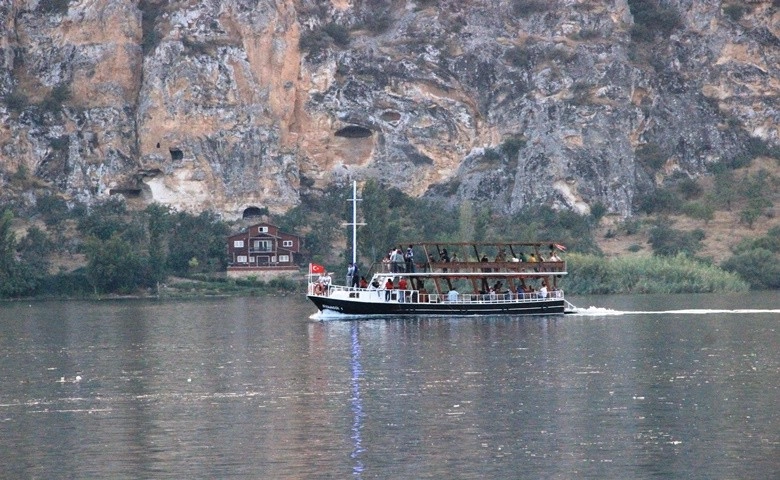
(238,244)
(284,258)
(262,245)
(262,229)
(287,243)
(241,259)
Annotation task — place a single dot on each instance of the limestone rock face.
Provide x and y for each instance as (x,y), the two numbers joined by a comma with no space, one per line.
(231,104)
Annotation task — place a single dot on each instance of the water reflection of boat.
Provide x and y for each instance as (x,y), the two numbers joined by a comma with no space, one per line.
(523,278)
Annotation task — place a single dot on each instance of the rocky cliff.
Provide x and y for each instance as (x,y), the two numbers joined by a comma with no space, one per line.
(233,104)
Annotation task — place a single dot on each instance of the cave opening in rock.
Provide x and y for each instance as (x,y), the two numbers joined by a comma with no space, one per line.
(252,212)
(353,131)
(176,154)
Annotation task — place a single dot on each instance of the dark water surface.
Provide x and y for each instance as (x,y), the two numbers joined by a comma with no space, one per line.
(254,388)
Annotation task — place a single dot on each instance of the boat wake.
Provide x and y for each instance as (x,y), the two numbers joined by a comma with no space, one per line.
(600,312)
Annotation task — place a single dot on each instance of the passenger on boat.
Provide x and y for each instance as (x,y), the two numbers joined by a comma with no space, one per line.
(325,278)
(484,259)
(350,274)
(423,294)
(543,290)
(554,258)
(409,259)
(427,266)
(452,296)
(445,257)
(402,286)
(397,261)
(388,289)
(363,282)
(321,286)
(454,258)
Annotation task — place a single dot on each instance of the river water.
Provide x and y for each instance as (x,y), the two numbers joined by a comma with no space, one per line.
(638,387)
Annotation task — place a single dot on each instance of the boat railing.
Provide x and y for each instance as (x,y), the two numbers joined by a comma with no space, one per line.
(418,296)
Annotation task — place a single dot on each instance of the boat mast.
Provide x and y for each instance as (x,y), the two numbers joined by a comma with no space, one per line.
(354,223)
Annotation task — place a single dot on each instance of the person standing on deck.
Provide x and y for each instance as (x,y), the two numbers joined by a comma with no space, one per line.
(388,289)
(350,274)
(397,261)
(402,286)
(409,258)
(355,276)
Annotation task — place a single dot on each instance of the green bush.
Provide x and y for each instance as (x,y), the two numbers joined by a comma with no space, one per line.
(52,208)
(662,200)
(699,211)
(589,274)
(651,157)
(668,241)
(759,267)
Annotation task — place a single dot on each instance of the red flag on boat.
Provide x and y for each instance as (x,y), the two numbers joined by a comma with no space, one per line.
(316,268)
(559,247)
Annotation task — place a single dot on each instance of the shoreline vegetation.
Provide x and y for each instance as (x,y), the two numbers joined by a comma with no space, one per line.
(588,275)
(54,249)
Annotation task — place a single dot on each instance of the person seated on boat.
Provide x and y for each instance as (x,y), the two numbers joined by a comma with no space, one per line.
(428,262)
(528,291)
(388,289)
(423,294)
(501,257)
(484,259)
(374,285)
(454,257)
(492,295)
(444,256)
(543,290)
(452,295)
(363,282)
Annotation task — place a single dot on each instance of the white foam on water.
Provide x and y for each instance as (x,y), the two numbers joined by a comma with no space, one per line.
(598,311)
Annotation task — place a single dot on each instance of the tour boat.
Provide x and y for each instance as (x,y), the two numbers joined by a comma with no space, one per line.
(450,278)
(456,278)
